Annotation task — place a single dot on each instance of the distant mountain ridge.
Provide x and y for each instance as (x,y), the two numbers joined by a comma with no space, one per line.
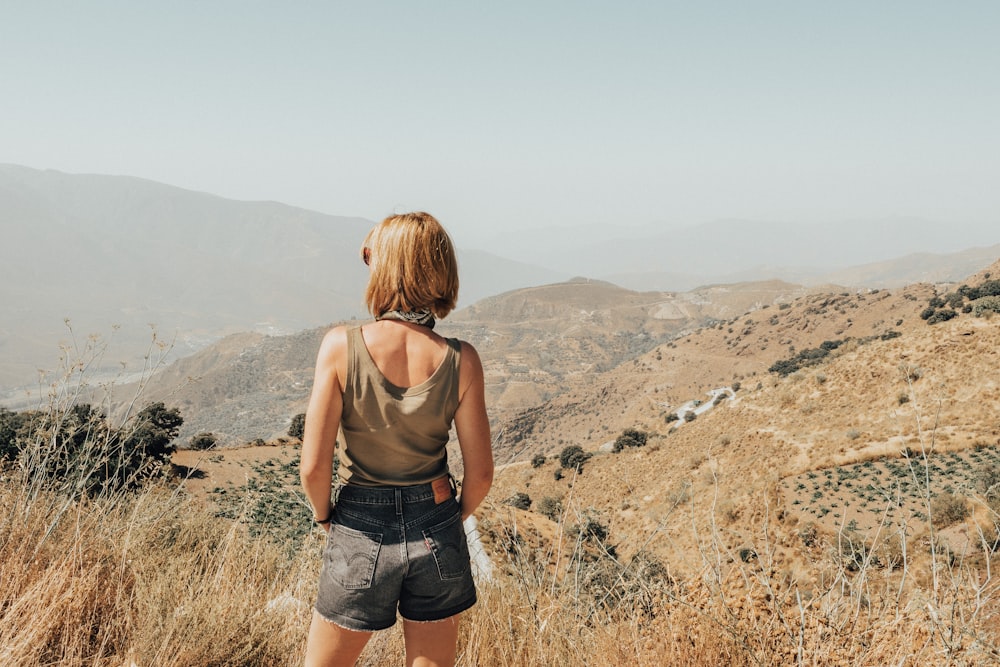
(117,250)
(116,254)
(730,251)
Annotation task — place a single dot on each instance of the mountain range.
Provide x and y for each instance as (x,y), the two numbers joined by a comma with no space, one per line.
(96,259)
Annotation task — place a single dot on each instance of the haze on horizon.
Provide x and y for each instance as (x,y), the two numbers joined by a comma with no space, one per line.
(522,116)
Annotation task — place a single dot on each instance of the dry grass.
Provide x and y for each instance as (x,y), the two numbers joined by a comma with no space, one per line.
(153,578)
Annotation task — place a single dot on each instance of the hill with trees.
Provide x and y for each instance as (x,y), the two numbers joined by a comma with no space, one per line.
(843,512)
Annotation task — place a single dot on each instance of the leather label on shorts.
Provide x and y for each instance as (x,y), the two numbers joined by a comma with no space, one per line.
(442,490)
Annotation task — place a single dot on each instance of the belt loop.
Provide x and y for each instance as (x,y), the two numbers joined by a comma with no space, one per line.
(399,500)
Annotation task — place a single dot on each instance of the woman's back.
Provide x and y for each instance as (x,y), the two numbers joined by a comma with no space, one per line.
(400,395)
(406,354)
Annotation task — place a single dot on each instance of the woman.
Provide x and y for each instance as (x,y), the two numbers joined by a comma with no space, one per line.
(392,389)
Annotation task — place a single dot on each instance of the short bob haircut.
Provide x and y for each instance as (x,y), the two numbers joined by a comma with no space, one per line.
(413,266)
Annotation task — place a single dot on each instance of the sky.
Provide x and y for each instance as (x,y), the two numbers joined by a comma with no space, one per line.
(514,116)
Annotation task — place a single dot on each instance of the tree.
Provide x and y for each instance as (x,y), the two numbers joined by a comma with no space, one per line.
(154,430)
(573,457)
(298,427)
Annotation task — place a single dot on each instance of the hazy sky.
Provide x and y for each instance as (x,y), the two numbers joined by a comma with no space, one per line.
(516,115)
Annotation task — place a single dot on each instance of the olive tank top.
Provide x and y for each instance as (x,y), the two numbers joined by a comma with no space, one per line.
(395,436)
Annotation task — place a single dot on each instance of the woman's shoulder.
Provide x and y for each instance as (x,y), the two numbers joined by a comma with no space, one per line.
(335,341)
(469,354)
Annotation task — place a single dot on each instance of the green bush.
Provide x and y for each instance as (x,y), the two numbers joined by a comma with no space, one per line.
(573,457)
(298,427)
(986,305)
(203,441)
(630,437)
(80,452)
(521,501)
(942,315)
(805,358)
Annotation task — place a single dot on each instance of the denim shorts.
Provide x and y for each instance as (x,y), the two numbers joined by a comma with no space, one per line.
(394,546)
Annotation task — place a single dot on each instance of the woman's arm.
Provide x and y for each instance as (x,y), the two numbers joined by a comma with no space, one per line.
(473,429)
(322,422)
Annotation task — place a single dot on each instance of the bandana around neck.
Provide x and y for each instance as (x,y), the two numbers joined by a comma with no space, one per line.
(422,317)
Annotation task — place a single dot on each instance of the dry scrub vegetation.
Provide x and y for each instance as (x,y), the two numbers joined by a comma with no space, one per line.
(684,549)
(155,578)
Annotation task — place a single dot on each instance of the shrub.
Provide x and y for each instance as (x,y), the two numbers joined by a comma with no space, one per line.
(590,530)
(954,299)
(573,457)
(549,507)
(630,437)
(298,426)
(804,358)
(11,424)
(986,305)
(521,501)
(79,451)
(538,460)
(942,315)
(987,480)
(947,509)
(203,441)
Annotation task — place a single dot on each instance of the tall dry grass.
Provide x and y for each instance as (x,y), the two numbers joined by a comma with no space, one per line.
(152,577)
(155,578)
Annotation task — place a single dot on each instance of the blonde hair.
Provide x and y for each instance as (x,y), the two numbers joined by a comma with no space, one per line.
(413,266)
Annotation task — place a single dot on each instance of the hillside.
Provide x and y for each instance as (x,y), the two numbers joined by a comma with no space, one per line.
(932,389)
(644,391)
(892,382)
(834,508)
(535,343)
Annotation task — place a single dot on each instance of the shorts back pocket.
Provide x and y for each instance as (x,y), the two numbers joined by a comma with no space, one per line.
(350,556)
(447,542)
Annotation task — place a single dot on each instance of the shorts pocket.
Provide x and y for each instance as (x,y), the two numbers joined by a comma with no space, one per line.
(447,542)
(350,556)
